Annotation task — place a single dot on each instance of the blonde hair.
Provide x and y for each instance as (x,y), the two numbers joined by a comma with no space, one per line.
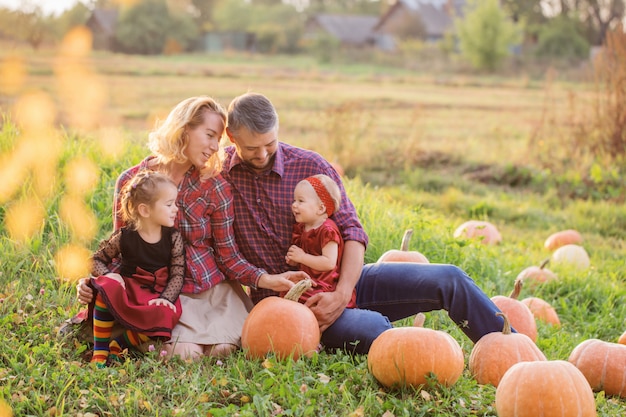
(168,140)
(143,188)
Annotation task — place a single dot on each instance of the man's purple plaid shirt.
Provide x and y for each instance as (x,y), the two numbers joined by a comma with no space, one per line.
(262,203)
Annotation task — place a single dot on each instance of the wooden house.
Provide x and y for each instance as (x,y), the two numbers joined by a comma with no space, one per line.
(102,24)
(349,30)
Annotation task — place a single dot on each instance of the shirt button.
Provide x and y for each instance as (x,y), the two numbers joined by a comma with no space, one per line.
(258,200)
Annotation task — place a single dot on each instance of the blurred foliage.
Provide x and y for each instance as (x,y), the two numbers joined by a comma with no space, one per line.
(486,34)
(562,37)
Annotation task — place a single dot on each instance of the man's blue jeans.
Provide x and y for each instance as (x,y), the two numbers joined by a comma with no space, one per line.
(387,292)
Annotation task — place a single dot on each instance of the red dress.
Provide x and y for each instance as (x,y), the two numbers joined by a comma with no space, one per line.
(312,242)
(149,270)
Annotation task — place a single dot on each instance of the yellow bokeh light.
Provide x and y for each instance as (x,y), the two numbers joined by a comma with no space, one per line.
(73,262)
(81,221)
(77,42)
(35,111)
(5,409)
(24,219)
(12,174)
(81,176)
(111,142)
(12,74)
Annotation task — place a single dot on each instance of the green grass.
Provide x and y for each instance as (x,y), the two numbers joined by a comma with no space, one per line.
(41,374)
(415,168)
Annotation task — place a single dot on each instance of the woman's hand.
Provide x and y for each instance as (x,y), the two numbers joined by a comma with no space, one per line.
(162,302)
(84,292)
(281,282)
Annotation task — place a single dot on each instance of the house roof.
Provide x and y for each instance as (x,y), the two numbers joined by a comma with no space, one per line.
(435,14)
(105,19)
(354,29)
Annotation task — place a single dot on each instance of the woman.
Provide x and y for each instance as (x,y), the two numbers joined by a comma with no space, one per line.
(185,148)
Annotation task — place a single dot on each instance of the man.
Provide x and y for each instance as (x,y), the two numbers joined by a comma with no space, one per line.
(263,173)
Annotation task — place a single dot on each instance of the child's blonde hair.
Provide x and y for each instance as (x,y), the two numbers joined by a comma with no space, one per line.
(143,188)
(331,188)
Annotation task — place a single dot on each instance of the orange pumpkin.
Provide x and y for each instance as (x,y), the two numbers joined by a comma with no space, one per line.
(544,389)
(496,352)
(281,326)
(406,356)
(404,255)
(518,313)
(622,339)
(562,238)
(542,310)
(572,255)
(476,228)
(534,275)
(603,364)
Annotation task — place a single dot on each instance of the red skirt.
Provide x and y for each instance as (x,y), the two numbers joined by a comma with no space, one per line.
(130,306)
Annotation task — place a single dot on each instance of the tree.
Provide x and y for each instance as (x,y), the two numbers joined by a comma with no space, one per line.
(146,28)
(561,37)
(486,34)
(598,16)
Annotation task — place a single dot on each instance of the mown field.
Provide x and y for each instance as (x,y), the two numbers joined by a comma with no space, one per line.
(422,151)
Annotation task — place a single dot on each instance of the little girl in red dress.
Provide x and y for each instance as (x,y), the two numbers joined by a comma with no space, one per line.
(317,245)
(143,298)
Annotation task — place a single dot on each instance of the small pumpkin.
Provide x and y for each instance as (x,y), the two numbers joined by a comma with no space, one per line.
(534,275)
(477,228)
(622,339)
(544,389)
(406,356)
(282,326)
(518,313)
(496,352)
(603,364)
(404,255)
(542,310)
(573,255)
(562,238)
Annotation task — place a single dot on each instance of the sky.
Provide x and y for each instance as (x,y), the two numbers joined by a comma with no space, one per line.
(47,6)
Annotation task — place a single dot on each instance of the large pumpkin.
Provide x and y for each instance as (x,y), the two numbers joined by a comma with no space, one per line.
(542,310)
(518,313)
(603,364)
(562,238)
(534,275)
(572,255)
(544,389)
(478,228)
(622,339)
(281,326)
(404,254)
(406,356)
(496,352)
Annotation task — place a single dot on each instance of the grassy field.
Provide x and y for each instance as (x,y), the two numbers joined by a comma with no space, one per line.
(425,151)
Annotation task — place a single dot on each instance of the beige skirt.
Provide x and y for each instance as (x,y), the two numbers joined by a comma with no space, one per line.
(213,316)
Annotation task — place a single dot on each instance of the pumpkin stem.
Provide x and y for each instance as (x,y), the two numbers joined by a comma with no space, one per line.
(507,326)
(544,263)
(297,290)
(516,290)
(405,240)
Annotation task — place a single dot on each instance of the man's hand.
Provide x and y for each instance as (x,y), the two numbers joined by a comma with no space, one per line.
(281,282)
(327,307)
(84,292)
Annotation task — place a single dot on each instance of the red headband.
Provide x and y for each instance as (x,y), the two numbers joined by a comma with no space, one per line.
(323,194)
